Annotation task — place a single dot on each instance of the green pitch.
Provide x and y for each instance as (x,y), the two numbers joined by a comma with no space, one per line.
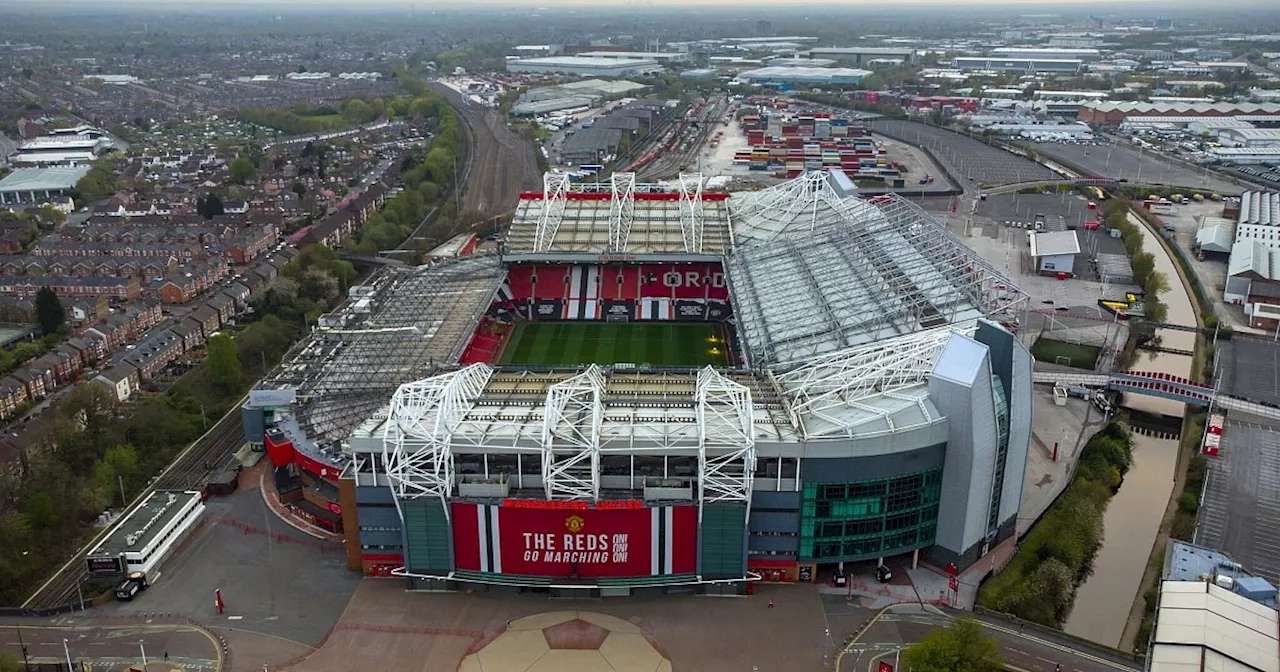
(640,343)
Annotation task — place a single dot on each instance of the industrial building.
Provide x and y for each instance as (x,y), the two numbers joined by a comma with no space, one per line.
(1114,113)
(824,76)
(572,95)
(1050,54)
(1251,138)
(873,404)
(1054,252)
(1253,269)
(861,55)
(64,147)
(38,186)
(143,539)
(586,67)
(1212,614)
(1069,65)
(661,57)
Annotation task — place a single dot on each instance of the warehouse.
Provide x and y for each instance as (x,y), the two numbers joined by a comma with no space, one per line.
(1071,65)
(1251,138)
(35,186)
(1027,53)
(660,57)
(1245,156)
(590,67)
(861,55)
(827,76)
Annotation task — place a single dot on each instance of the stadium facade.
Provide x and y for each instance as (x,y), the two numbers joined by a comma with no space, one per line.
(875,403)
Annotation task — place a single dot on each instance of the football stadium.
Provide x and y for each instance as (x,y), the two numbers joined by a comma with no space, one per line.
(656,388)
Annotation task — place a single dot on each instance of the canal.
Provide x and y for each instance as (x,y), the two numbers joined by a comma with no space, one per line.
(1133,517)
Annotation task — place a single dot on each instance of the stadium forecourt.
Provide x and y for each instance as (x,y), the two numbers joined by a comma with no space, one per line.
(836,387)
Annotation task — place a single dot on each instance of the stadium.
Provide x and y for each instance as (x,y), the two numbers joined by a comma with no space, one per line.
(657,388)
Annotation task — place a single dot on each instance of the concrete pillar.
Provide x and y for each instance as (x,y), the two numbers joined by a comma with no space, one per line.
(840,566)
(915,559)
(880,561)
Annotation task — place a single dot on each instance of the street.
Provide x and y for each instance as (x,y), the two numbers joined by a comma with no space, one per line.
(1030,649)
(114,647)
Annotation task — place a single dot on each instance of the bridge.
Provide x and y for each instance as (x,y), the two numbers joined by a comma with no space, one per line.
(1162,385)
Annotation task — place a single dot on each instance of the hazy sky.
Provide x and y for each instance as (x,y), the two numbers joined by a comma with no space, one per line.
(596,4)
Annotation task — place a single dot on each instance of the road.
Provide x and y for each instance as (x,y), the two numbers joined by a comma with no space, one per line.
(1024,650)
(114,647)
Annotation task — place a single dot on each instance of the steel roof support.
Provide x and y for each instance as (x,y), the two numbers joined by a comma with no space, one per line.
(826,385)
(555,190)
(622,210)
(726,439)
(420,423)
(691,211)
(571,436)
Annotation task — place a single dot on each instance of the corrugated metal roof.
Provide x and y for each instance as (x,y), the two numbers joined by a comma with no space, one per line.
(39,179)
(1260,207)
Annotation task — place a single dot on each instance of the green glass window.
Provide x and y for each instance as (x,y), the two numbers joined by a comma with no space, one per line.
(869,519)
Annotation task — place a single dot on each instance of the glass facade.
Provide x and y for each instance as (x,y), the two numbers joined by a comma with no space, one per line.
(1002,452)
(868,519)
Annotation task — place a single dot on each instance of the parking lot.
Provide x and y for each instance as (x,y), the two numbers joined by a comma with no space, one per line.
(1241,510)
(274,579)
(967,158)
(1250,368)
(1122,162)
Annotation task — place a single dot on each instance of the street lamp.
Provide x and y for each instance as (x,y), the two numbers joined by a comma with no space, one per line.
(143,648)
(67,651)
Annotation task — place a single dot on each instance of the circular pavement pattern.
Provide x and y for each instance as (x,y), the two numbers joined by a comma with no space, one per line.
(568,641)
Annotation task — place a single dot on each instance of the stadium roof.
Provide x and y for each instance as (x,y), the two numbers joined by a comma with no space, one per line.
(40,179)
(618,216)
(400,326)
(814,273)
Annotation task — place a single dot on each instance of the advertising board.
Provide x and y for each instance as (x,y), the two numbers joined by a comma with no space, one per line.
(575,543)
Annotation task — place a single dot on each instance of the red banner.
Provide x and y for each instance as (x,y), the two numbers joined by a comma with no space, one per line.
(582,543)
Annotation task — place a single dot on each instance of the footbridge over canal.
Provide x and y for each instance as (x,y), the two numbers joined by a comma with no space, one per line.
(1161,385)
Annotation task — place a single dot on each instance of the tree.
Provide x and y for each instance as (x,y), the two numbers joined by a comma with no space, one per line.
(49,311)
(9,662)
(224,362)
(299,188)
(241,169)
(959,647)
(209,206)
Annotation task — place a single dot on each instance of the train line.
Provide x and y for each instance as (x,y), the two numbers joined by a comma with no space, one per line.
(677,151)
(501,163)
(206,455)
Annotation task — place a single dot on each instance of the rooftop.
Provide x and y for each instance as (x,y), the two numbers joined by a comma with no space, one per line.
(1053,243)
(398,327)
(619,217)
(814,272)
(1201,626)
(40,179)
(136,530)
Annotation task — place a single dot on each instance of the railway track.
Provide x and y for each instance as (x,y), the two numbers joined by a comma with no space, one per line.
(501,165)
(189,470)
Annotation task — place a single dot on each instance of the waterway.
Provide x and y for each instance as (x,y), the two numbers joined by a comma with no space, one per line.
(1132,519)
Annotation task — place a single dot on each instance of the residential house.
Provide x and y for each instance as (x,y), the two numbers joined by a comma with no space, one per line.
(208,319)
(224,305)
(123,289)
(122,379)
(239,292)
(189,331)
(13,393)
(64,367)
(89,351)
(252,244)
(155,352)
(38,381)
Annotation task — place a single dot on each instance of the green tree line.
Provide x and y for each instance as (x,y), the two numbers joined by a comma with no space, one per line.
(427,181)
(100,182)
(1153,282)
(1056,556)
(93,447)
